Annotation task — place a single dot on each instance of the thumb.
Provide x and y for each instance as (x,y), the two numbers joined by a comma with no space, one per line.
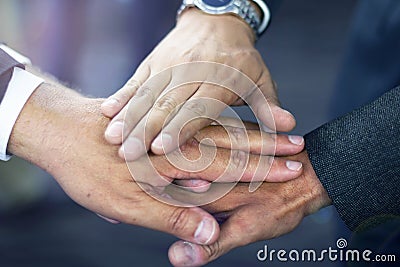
(188,223)
(265,104)
(184,253)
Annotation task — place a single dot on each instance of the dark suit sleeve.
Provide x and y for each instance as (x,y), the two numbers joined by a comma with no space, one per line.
(7,64)
(357,159)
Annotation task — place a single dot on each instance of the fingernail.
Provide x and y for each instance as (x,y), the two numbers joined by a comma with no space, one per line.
(133,148)
(111,102)
(294,165)
(196,186)
(184,253)
(108,219)
(296,140)
(115,129)
(205,231)
(162,142)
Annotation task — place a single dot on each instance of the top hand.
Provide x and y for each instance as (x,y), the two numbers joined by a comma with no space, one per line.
(183,111)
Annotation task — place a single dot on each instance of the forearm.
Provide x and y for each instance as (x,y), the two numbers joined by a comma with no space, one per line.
(356,157)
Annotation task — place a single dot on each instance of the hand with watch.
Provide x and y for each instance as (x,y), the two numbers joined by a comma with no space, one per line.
(244,9)
(216,33)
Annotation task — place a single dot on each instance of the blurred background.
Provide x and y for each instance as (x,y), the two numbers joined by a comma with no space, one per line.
(95,46)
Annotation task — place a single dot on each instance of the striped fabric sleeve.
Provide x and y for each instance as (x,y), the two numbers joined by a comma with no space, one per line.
(7,64)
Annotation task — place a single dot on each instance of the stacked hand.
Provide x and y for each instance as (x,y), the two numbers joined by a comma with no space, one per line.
(271,211)
(194,76)
(183,86)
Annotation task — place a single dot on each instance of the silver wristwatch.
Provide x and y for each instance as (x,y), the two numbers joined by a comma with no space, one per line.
(241,8)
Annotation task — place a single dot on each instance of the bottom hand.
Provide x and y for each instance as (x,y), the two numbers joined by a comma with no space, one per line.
(271,211)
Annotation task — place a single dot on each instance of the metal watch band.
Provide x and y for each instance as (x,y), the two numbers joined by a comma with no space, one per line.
(266,16)
(241,8)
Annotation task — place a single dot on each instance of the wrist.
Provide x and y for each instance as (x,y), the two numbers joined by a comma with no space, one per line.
(317,196)
(307,193)
(224,26)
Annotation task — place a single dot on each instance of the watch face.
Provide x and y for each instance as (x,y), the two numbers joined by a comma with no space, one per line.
(217,3)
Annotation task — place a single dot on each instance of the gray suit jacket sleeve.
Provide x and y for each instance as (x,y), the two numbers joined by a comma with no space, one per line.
(357,159)
(7,64)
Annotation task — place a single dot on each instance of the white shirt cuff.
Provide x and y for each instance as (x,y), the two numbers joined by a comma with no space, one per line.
(20,88)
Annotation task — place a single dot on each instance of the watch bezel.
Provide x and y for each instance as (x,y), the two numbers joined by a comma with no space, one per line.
(228,8)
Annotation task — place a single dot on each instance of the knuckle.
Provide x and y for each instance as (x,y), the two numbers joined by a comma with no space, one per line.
(268,143)
(223,55)
(250,54)
(251,63)
(238,135)
(247,57)
(213,251)
(268,161)
(247,94)
(125,95)
(196,108)
(145,92)
(178,220)
(269,138)
(166,104)
(239,160)
(132,84)
(191,56)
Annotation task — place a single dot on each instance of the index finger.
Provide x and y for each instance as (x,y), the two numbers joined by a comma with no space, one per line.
(115,103)
(252,141)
